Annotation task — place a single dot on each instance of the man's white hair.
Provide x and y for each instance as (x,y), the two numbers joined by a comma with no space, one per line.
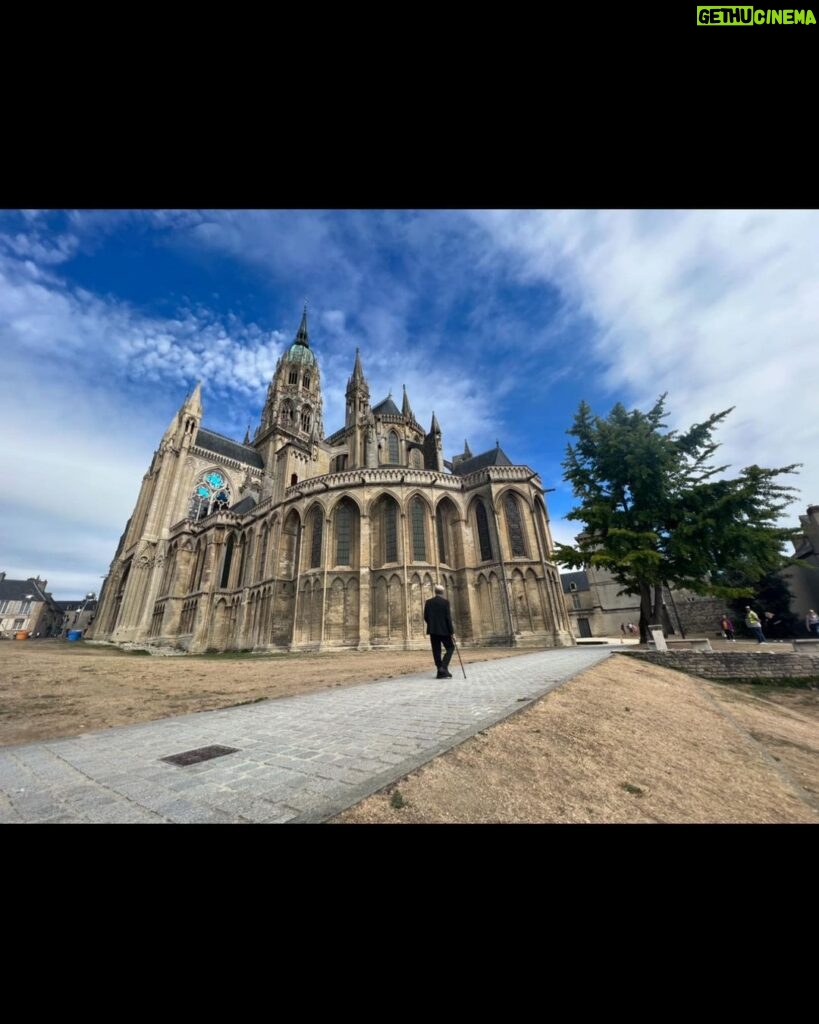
(439,588)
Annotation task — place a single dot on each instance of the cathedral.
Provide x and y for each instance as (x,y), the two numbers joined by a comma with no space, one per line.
(296,541)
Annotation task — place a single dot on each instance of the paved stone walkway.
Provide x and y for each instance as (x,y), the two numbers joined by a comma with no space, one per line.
(296,759)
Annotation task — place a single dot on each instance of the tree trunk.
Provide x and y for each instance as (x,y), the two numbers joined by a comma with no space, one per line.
(645,611)
(657,610)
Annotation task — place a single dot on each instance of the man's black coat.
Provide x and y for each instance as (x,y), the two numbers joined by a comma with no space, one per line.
(437,617)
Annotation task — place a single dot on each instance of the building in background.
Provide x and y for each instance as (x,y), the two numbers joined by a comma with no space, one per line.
(26,607)
(803,577)
(596,609)
(77,615)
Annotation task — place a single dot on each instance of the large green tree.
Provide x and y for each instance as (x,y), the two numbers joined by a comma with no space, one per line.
(657,511)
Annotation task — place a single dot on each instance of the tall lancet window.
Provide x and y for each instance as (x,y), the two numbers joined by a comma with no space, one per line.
(315,546)
(419,543)
(392,443)
(483,532)
(211,494)
(390,532)
(514,526)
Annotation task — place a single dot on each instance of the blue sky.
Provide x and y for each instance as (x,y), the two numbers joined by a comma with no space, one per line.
(499,321)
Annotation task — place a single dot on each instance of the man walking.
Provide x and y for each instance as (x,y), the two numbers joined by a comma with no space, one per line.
(441,631)
(754,625)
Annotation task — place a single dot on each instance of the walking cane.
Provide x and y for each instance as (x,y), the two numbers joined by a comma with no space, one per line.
(459,657)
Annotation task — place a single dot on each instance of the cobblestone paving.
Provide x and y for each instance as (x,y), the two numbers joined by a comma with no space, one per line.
(298,759)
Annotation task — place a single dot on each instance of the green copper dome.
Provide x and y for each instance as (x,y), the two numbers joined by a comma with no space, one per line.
(300,349)
(299,353)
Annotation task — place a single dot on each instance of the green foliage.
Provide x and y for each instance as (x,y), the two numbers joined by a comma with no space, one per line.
(771,593)
(656,509)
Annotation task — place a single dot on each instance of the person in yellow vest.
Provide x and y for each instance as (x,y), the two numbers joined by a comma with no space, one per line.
(754,625)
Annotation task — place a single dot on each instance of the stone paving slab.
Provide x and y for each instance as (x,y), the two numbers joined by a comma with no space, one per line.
(298,759)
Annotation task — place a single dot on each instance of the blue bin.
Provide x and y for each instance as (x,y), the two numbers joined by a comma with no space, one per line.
(74,634)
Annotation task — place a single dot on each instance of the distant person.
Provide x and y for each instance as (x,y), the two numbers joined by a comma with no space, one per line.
(441,631)
(728,628)
(631,628)
(754,625)
(623,628)
(773,625)
(812,622)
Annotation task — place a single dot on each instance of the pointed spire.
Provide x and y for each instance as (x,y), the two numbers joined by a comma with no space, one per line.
(434,429)
(467,452)
(302,338)
(193,403)
(405,406)
(247,435)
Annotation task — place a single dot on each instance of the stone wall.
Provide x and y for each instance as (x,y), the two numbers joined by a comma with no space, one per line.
(733,665)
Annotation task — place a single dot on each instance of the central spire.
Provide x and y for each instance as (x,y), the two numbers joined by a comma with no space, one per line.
(302,337)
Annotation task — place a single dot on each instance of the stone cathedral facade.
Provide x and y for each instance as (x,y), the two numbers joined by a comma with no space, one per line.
(294,540)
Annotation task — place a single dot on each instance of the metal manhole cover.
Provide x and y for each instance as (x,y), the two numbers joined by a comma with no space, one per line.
(200,754)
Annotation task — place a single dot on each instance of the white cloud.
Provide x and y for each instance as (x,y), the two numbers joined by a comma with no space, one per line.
(718,308)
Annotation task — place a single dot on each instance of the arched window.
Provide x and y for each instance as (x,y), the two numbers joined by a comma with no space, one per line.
(260,564)
(294,479)
(439,522)
(514,526)
(484,539)
(169,571)
(287,414)
(228,561)
(390,531)
(392,443)
(419,542)
(211,494)
(294,377)
(315,544)
(305,418)
(244,544)
(344,522)
(305,383)
(198,565)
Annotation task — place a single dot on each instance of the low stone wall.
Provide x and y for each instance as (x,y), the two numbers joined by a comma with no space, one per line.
(733,665)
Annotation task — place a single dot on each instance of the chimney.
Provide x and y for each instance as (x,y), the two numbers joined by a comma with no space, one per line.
(2,576)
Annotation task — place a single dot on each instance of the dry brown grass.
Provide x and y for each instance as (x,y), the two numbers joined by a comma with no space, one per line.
(625,741)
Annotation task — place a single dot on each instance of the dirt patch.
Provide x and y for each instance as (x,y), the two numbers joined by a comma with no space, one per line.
(624,742)
(52,688)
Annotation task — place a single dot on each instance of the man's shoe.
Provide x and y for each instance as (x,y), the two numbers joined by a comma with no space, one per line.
(448,675)
(442,675)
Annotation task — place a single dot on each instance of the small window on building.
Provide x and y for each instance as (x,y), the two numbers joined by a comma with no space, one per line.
(306,381)
(572,586)
(294,479)
(294,377)
(392,442)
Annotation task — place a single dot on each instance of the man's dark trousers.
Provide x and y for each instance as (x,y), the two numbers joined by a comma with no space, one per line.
(435,642)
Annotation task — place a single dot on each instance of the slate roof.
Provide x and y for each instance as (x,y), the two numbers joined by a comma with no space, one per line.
(580,579)
(386,408)
(76,606)
(16,590)
(245,505)
(494,457)
(221,445)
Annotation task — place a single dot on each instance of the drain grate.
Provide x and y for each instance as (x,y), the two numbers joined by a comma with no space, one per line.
(200,754)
